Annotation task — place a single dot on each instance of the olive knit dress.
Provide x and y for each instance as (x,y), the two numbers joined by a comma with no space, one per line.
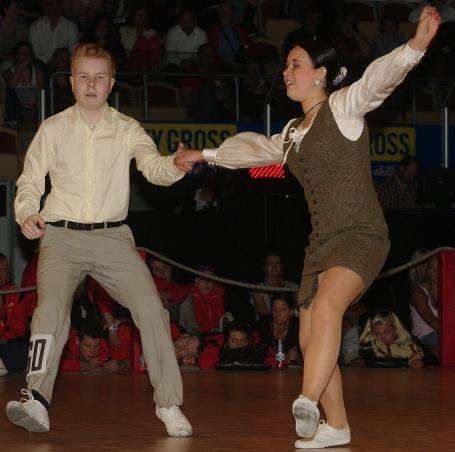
(348,226)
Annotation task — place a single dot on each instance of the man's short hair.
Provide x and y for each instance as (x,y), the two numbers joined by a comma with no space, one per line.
(89,50)
(90,328)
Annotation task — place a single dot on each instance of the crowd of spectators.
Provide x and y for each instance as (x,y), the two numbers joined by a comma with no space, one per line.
(202,37)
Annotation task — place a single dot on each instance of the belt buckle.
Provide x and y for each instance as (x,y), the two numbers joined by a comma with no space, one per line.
(92,226)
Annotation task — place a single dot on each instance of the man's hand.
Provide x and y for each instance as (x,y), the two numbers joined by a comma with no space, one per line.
(184,159)
(427,27)
(33,227)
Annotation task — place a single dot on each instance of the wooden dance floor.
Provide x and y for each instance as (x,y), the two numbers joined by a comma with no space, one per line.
(389,410)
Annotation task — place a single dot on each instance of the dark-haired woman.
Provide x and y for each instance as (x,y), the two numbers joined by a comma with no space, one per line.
(281,325)
(328,152)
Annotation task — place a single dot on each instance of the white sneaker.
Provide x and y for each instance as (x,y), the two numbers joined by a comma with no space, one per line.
(326,436)
(28,413)
(175,421)
(306,415)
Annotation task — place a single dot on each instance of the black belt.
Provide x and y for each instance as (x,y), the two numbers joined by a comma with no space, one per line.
(85,226)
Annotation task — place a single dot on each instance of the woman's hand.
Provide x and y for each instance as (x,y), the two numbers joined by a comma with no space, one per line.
(427,27)
(184,159)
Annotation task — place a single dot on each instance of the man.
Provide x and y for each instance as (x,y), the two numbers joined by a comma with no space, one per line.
(183,41)
(188,347)
(86,150)
(52,32)
(87,350)
(399,191)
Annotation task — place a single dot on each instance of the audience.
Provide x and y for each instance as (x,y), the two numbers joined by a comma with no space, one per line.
(208,301)
(273,277)
(399,191)
(183,42)
(388,38)
(13,325)
(281,325)
(424,301)
(62,92)
(188,347)
(386,343)
(23,78)
(88,351)
(12,28)
(52,31)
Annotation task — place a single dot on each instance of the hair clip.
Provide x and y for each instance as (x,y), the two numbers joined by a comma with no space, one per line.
(341,75)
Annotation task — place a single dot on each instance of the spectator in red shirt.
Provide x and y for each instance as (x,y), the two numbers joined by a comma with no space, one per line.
(13,325)
(29,280)
(236,335)
(188,347)
(88,351)
(208,301)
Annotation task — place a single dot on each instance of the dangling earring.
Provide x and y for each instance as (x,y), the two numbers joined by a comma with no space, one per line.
(316,82)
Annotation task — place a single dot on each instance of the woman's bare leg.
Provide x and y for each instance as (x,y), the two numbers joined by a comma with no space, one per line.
(320,336)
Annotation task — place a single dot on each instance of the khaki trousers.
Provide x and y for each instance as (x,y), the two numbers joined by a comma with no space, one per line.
(110,256)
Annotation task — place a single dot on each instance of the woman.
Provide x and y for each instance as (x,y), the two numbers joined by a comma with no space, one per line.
(23,79)
(281,325)
(328,151)
(424,301)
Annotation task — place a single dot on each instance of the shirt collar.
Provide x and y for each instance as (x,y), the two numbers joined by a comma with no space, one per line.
(107,117)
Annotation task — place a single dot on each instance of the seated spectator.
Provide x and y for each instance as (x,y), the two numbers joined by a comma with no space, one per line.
(106,306)
(13,325)
(173,296)
(205,198)
(208,301)
(237,343)
(188,347)
(253,88)
(399,191)
(23,80)
(101,31)
(87,351)
(62,93)
(352,48)
(424,301)
(139,41)
(281,325)
(388,38)
(12,28)
(385,343)
(199,93)
(231,42)
(83,12)
(182,43)
(311,28)
(273,277)
(52,31)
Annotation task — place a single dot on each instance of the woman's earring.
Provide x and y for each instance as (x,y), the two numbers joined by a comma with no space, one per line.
(316,82)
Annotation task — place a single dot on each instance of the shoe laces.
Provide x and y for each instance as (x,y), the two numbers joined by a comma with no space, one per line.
(174,414)
(28,394)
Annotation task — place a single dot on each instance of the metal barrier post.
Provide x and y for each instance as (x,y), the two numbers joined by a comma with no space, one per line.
(41,105)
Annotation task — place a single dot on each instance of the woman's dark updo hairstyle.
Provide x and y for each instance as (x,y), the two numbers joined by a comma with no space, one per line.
(322,55)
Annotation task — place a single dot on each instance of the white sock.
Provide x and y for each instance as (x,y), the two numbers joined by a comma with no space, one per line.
(3,370)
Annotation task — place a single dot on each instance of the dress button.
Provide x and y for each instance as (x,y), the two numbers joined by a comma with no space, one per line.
(316,223)
(312,191)
(314,212)
(301,160)
(314,201)
(317,234)
(305,170)
(308,181)
(311,251)
(314,263)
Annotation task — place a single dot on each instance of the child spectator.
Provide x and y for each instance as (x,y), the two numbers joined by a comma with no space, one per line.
(208,301)
(385,342)
(87,351)
(13,325)
(246,348)
(281,325)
